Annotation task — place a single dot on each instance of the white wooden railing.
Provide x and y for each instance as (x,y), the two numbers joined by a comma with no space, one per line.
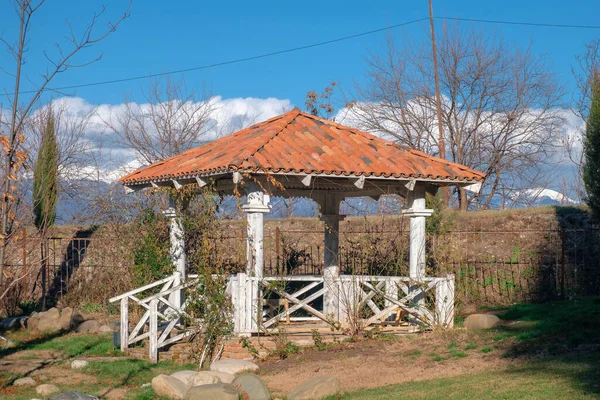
(261,303)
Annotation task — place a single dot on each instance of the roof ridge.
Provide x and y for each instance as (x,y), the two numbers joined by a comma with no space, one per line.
(295,111)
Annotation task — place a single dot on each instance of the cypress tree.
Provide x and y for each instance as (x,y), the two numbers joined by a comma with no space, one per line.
(591,146)
(45,179)
(45,193)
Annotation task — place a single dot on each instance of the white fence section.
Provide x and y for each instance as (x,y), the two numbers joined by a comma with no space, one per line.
(261,303)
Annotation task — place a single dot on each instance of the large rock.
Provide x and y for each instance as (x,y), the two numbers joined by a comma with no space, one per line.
(223,376)
(54,320)
(13,323)
(78,364)
(252,386)
(481,321)
(185,376)
(46,390)
(28,381)
(165,385)
(106,329)
(91,326)
(316,388)
(204,378)
(217,391)
(46,321)
(73,396)
(231,366)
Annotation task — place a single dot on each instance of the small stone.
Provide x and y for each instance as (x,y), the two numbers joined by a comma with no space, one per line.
(223,376)
(231,366)
(46,390)
(73,396)
(481,321)
(316,388)
(165,385)
(202,378)
(78,364)
(105,329)
(252,386)
(216,391)
(147,384)
(28,381)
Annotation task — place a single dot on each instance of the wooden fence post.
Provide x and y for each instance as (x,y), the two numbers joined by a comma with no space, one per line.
(154,330)
(124,323)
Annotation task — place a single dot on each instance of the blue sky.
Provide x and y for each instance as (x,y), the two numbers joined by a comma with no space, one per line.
(161,36)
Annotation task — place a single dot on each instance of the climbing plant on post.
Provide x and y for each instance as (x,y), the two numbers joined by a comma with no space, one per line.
(45,193)
(591,143)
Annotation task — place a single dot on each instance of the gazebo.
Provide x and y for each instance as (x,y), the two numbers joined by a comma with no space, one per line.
(300,155)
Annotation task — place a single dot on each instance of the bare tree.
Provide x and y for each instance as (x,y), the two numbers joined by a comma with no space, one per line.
(171,119)
(500,111)
(61,60)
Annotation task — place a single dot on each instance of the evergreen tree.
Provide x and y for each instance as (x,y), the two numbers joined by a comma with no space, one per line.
(45,179)
(45,192)
(591,167)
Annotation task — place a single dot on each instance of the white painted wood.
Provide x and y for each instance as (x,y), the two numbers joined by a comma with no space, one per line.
(444,302)
(474,188)
(237,177)
(306,180)
(417,213)
(176,184)
(201,182)
(242,303)
(154,185)
(124,323)
(153,333)
(141,289)
(411,185)
(360,182)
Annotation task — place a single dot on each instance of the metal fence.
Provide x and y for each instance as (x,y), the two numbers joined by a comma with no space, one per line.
(493,267)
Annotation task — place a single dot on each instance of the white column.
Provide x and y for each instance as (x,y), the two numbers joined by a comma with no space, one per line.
(177,252)
(257,204)
(330,208)
(417,213)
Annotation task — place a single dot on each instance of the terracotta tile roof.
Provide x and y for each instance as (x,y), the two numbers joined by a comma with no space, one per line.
(302,143)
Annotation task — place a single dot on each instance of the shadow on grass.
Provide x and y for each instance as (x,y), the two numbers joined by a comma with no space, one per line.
(557,333)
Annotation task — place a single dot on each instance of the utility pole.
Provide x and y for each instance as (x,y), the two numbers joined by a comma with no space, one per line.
(441,141)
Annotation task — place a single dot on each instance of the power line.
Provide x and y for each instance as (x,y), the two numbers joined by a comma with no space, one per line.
(309,46)
(229,62)
(538,24)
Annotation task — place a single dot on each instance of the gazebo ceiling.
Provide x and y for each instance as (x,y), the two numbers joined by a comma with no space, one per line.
(296,143)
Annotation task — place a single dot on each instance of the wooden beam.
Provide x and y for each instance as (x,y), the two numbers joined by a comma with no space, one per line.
(154,185)
(411,184)
(360,182)
(237,177)
(306,180)
(177,184)
(201,182)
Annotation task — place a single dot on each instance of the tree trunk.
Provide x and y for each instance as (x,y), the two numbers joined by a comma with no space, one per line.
(44,263)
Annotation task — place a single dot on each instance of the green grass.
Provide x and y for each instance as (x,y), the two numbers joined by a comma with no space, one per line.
(558,380)
(69,345)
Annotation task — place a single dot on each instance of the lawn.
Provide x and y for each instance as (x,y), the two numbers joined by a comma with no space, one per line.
(540,351)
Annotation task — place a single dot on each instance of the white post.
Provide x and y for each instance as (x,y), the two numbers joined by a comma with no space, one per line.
(417,213)
(444,302)
(330,208)
(124,323)
(177,252)
(257,204)
(153,338)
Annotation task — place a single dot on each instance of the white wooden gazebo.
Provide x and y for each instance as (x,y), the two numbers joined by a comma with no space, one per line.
(300,155)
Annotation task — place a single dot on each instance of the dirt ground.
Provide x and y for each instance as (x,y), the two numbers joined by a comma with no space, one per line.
(380,363)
